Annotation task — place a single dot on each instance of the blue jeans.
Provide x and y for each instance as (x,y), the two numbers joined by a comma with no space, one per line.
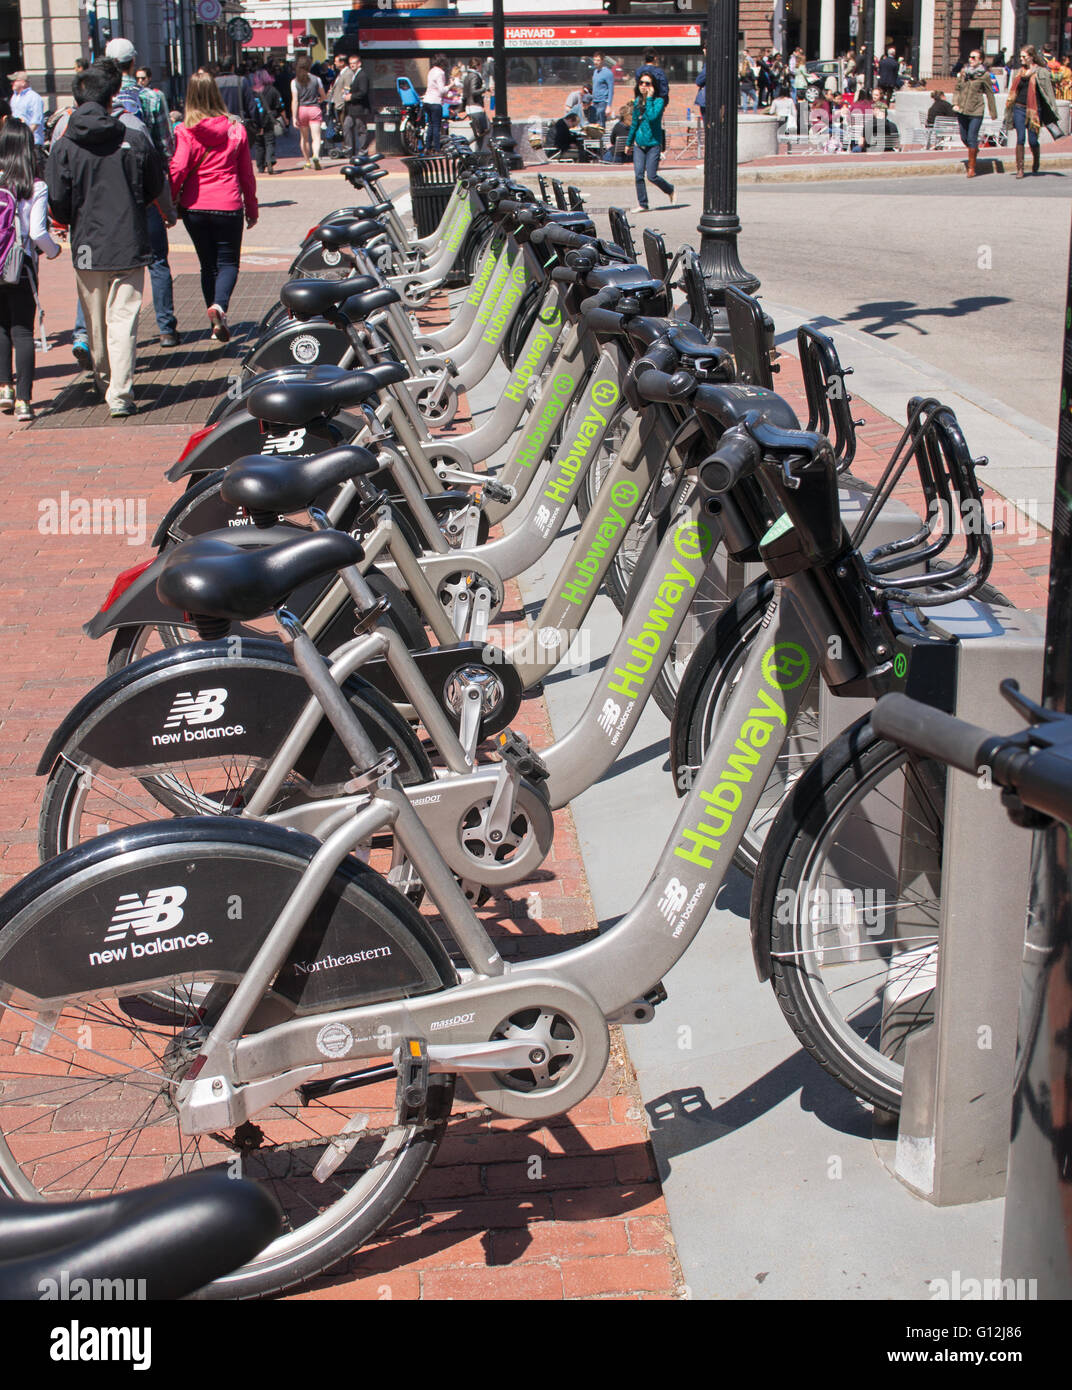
(599,112)
(749,100)
(1019,120)
(969,129)
(160,273)
(217,239)
(434,116)
(646,164)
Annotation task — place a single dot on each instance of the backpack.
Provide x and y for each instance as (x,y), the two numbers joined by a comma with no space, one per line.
(12,250)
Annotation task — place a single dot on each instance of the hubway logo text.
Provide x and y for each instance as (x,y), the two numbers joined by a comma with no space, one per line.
(561,390)
(692,542)
(602,396)
(624,495)
(785,666)
(543,337)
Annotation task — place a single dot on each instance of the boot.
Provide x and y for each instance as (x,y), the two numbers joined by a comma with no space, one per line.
(1036,157)
(1019,161)
(973,155)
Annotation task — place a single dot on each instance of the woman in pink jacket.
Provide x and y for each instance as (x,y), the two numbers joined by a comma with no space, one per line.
(212,182)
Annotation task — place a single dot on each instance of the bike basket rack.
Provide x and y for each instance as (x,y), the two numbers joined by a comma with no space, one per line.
(576,201)
(750,334)
(655,253)
(621,232)
(828,397)
(560,195)
(692,282)
(934,442)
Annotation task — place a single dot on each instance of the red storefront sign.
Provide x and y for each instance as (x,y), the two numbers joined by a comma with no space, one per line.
(529,36)
(272,33)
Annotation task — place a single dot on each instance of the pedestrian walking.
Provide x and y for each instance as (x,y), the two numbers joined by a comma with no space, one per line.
(236,91)
(268,110)
(212,183)
(746,83)
(306,95)
(602,89)
(433,100)
(1029,105)
(23,234)
(701,102)
(473,99)
(102,175)
(645,140)
(972,90)
(149,107)
(889,74)
(357,111)
(27,105)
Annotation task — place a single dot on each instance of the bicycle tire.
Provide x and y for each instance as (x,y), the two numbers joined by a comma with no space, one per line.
(851,790)
(328,1218)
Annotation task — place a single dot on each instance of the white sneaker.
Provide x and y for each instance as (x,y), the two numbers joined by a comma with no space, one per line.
(639,209)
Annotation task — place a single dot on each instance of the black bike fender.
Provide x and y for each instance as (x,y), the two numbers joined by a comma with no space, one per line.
(64,951)
(205,484)
(126,676)
(139,604)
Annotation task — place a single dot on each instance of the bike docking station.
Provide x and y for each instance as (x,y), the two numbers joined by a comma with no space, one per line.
(951,1142)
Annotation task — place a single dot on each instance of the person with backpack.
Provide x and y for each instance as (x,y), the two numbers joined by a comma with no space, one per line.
(101,176)
(212,182)
(268,109)
(23,233)
(150,108)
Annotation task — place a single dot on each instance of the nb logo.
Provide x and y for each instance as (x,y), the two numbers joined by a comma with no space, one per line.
(283,443)
(161,911)
(673,899)
(203,708)
(542,519)
(609,715)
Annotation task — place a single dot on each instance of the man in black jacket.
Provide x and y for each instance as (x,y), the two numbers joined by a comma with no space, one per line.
(101,176)
(358,109)
(889,78)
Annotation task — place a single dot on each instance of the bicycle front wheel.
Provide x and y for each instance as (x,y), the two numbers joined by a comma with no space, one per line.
(88,1079)
(847,900)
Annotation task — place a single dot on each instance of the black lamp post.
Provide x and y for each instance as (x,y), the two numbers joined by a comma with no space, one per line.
(501,129)
(720,224)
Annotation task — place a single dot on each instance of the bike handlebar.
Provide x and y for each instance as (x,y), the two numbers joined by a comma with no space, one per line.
(736,457)
(930,732)
(664,387)
(560,236)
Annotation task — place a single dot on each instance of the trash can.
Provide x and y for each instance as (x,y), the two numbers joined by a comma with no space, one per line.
(431,182)
(389,130)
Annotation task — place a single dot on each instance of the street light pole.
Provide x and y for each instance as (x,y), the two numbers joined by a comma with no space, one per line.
(501,130)
(719,224)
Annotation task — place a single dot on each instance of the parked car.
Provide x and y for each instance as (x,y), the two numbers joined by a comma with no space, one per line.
(818,72)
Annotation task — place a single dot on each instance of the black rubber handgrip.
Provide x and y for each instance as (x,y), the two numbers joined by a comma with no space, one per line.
(564,275)
(930,732)
(509,206)
(737,455)
(562,236)
(654,385)
(603,321)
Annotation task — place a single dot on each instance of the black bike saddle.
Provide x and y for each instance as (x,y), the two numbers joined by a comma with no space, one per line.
(354,232)
(208,578)
(308,299)
(298,402)
(267,483)
(177,1236)
(359,306)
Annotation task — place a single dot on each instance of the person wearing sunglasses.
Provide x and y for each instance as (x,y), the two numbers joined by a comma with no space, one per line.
(1030,105)
(645,141)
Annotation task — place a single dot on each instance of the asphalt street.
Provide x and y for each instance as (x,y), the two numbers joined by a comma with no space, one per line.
(976,290)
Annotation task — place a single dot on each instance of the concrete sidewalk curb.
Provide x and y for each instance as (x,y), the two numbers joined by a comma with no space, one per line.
(809,169)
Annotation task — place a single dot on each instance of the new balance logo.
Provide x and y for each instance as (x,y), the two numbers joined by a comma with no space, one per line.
(203,708)
(673,899)
(609,715)
(160,911)
(283,443)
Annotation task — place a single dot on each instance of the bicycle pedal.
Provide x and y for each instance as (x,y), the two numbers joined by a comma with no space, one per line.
(515,749)
(411,1092)
(496,492)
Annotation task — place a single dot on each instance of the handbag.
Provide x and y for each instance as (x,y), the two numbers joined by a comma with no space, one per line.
(11,269)
(1055,130)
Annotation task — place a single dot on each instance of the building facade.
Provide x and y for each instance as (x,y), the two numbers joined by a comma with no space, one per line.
(172,36)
